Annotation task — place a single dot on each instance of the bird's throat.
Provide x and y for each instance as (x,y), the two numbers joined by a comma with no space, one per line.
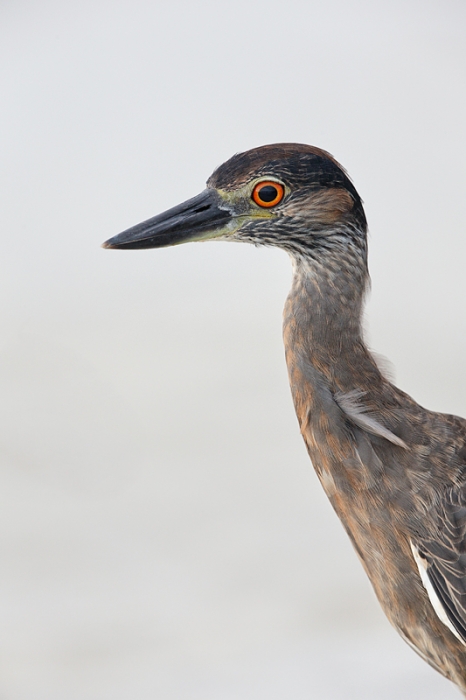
(322,327)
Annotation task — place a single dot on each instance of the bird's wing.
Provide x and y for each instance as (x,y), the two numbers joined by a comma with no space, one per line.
(440,555)
(442,561)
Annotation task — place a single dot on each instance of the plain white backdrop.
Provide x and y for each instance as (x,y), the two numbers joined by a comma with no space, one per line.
(162,533)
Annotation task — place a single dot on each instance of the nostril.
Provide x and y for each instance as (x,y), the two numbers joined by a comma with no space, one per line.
(198,210)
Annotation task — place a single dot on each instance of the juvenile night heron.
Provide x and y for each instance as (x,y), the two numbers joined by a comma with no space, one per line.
(394,472)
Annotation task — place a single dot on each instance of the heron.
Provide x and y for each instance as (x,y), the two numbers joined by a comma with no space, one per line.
(395,472)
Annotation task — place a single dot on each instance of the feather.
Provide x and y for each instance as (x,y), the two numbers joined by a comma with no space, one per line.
(358,414)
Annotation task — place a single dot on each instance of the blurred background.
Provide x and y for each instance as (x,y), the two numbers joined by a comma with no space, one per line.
(162,533)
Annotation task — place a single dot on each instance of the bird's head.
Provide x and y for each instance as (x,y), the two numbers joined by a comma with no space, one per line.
(293,196)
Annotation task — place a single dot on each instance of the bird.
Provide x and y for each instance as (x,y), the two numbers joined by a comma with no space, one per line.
(394,472)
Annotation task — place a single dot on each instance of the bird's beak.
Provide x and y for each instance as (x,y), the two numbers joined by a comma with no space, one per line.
(206,216)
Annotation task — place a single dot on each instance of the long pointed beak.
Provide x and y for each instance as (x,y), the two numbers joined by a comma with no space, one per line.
(204,216)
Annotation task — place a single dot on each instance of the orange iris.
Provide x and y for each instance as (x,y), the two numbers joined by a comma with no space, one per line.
(268,193)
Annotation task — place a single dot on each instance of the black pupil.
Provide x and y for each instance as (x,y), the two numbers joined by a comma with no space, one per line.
(268,193)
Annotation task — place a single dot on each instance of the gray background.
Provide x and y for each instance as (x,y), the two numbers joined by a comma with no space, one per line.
(162,534)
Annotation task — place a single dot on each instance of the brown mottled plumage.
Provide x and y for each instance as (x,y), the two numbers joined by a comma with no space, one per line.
(394,472)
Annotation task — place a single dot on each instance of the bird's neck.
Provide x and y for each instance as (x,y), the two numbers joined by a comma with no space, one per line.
(322,325)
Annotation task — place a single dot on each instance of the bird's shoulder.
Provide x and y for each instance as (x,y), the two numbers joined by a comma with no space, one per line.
(429,441)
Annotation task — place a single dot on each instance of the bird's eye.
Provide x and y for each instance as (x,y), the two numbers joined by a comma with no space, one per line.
(268,194)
